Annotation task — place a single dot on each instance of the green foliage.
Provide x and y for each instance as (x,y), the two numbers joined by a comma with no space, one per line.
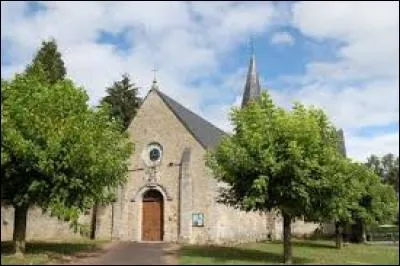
(378,203)
(49,59)
(123,99)
(84,230)
(386,167)
(277,159)
(340,193)
(57,152)
(357,194)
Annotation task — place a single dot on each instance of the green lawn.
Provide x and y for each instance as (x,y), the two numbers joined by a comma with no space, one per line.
(304,252)
(42,252)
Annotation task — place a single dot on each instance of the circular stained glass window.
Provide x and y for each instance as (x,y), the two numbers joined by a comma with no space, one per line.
(155,154)
(152,154)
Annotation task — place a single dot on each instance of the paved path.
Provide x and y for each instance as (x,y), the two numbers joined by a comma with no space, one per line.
(132,253)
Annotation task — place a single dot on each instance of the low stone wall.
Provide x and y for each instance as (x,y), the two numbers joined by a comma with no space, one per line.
(301,229)
(235,226)
(39,226)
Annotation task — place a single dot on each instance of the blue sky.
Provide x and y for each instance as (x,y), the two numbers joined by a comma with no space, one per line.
(340,56)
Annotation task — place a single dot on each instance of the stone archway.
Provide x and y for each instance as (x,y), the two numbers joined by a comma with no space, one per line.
(139,194)
(137,198)
(152,216)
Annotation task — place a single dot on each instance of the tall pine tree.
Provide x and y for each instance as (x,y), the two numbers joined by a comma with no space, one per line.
(49,58)
(124,100)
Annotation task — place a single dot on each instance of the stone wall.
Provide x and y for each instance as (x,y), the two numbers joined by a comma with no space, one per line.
(39,226)
(238,226)
(104,222)
(226,224)
(299,228)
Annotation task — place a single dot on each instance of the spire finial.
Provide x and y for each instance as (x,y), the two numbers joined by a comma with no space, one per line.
(251,45)
(154,70)
(155,74)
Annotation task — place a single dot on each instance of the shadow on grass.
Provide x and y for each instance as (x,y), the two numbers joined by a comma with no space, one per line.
(316,244)
(39,247)
(306,244)
(224,254)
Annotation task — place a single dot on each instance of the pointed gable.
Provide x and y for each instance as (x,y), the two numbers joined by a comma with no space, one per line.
(206,133)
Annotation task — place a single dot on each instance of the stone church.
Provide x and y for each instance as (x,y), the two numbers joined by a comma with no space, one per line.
(170,194)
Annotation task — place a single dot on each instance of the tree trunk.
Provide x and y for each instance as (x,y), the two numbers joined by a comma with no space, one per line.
(363,232)
(287,245)
(358,231)
(93,222)
(339,235)
(20,215)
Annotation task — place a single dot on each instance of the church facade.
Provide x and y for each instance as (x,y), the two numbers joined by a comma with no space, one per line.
(171,195)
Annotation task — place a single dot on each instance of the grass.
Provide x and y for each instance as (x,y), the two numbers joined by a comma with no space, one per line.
(304,252)
(42,252)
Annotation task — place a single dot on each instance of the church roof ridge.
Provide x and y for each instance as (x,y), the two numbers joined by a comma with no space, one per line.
(207,134)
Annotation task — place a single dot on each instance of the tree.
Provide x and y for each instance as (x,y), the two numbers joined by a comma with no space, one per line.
(122,97)
(386,167)
(342,192)
(277,160)
(56,151)
(49,58)
(377,204)
(374,163)
(390,166)
(357,198)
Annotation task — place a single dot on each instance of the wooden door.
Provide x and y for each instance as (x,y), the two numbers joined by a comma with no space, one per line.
(152,219)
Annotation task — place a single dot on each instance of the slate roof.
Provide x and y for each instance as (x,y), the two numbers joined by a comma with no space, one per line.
(206,133)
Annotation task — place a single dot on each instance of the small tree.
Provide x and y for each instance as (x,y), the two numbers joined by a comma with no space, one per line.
(56,152)
(124,100)
(345,190)
(49,58)
(377,204)
(277,159)
(387,168)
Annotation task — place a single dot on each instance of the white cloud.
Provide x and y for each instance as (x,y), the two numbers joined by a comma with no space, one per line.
(361,147)
(349,107)
(282,38)
(361,87)
(190,41)
(165,33)
(368,31)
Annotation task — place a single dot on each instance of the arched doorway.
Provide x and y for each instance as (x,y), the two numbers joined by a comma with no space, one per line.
(152,216)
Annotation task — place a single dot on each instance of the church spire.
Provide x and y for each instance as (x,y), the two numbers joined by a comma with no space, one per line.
(342,144)
(252,87)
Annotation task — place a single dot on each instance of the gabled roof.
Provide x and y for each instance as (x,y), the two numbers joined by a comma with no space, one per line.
(206,133)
